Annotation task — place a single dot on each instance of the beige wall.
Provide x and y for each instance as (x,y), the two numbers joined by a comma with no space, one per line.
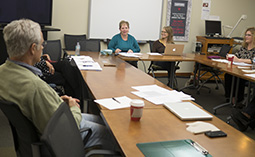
(71,16)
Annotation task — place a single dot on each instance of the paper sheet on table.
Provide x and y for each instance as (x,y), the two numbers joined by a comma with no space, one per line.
(159,95)
(200,127)
(220,60)
(86,63)
(241,64)
(243,67)
(136,55)
(248,71)
(250,75)
(111,104)
(89,66)
(154,54)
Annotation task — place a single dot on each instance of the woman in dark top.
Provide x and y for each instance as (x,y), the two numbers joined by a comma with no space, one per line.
(245,54)
(159,47)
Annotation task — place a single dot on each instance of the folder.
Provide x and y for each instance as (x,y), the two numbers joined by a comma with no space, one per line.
(177,148)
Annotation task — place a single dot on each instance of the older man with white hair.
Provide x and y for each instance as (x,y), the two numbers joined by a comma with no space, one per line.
(19,83)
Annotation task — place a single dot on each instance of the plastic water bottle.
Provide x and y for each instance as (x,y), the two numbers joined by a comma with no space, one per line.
(253,63)
(77,49)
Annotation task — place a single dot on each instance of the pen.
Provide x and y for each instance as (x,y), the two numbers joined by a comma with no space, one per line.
(115,100)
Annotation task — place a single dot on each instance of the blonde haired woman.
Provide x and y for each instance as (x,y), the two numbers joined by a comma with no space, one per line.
(159,47)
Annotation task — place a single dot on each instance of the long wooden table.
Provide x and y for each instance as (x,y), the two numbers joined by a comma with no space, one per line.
(157,123)
(170,59)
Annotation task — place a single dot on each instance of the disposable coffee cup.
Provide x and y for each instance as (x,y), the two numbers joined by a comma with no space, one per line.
(230,57)
(136,109)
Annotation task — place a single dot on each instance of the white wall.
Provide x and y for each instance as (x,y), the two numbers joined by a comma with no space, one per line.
(71,16)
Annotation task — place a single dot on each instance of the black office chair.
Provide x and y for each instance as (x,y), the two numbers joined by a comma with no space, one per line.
(25,135)
(63,139)
(91,45)
(213,71)
(152,67)
(71,40)
(53,49)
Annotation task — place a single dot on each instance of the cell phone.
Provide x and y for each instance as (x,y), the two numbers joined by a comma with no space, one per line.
(213,134)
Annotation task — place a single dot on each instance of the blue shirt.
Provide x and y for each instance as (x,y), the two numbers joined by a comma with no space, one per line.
(124,46)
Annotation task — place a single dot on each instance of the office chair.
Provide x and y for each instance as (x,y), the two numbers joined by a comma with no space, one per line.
(63,139)
(213,71)
(25,134)
(91,45)
(71,40)
(152,67)
(53,49)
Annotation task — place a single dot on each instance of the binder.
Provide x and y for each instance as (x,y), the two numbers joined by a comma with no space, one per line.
(177,148)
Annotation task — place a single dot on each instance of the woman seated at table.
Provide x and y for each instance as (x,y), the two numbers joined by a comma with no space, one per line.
(159,46)
(64,74)
(124,42)
(245,54)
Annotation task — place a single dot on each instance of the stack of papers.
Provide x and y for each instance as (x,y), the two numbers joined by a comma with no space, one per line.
(86,63)
(136,55)
(115,103)
(159,95)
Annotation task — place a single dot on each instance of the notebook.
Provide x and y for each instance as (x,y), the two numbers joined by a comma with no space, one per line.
(173,50)
(187,111)
(176,148)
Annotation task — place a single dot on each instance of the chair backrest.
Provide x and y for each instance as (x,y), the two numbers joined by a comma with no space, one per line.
(71,40)
(150,44)
(53,49)
(91,45)
(24,132)
(224,50)
(61,135)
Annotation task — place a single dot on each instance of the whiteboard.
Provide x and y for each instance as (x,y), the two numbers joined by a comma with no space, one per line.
(144,17)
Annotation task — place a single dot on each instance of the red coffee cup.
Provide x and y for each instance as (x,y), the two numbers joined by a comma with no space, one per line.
(136,109)
(230,58)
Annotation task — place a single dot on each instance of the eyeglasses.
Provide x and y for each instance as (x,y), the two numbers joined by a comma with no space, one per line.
(44,43)
(163,32)
(248,35)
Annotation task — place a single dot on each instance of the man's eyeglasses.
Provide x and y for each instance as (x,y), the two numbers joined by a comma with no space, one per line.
(44,43)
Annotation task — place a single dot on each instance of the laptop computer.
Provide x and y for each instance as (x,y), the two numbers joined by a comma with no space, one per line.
(187,111)
(173,50)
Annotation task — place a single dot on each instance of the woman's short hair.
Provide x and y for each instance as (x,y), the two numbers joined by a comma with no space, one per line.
(169,30)
(19,35)
(252,30)
(123,22)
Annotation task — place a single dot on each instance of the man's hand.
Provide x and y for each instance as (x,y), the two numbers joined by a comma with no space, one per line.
(51,68)
(71,101)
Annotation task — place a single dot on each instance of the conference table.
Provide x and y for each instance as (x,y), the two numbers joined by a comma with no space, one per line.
(157,123)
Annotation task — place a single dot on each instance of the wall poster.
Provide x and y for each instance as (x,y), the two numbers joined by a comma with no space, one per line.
(178,17)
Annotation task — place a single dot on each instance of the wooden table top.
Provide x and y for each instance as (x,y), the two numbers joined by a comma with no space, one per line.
(161,125)
(157,123)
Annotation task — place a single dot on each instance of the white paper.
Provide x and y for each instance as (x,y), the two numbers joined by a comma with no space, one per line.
(200,127)
(86,63)
(241,64)
(154,54)
(250,75)
(220,60)
(159,95)
(136,55)
(248,71)
(111,104)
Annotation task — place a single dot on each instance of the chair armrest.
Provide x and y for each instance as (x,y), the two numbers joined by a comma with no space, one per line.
(85,140)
